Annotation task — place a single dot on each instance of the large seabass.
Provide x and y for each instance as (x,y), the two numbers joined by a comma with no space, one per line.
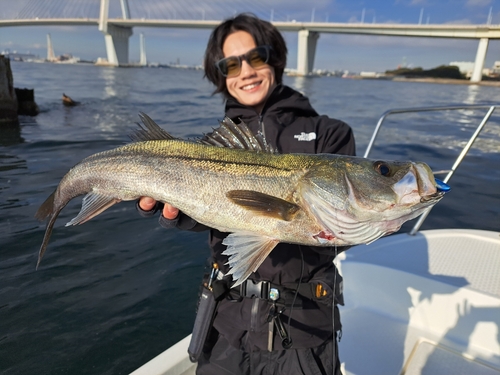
(234,182)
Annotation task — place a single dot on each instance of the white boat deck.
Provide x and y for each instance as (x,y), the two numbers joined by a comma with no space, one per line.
(424,304)
(173,361)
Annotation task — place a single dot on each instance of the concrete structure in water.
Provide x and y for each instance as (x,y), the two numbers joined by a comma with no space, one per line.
(115,37)
(8,99)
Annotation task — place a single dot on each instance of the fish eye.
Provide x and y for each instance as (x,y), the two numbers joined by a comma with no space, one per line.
(382,168)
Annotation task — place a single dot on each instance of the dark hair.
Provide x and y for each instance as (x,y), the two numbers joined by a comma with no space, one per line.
(263,33)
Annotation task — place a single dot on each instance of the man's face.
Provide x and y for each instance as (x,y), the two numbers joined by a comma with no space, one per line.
(252,86)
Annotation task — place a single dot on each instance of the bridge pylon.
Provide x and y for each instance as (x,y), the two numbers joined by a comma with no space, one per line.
(306,51)
(482,48)
(115,37)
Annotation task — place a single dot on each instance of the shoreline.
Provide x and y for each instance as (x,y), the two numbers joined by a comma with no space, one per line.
(383,77)
(447,81)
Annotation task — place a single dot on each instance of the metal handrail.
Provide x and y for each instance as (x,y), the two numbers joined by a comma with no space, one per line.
(465,150)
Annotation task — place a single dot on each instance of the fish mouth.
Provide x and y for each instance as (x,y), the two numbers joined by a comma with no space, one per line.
(430,188)
(441,189)
(420,185)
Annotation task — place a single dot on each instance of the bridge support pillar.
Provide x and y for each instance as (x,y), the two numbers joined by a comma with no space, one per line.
(477,74)
(306,51)
(116,39)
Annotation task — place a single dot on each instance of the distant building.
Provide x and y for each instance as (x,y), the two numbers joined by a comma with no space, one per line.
(465,67)
(16,56)
(496,67)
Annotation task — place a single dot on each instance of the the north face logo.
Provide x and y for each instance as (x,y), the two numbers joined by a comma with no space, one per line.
(305,136)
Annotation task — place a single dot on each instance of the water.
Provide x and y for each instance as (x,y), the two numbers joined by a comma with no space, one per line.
(115,292)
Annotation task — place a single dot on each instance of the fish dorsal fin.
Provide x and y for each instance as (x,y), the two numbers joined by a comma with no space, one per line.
(246,252)
(149,130)
(232,135)
(264,204)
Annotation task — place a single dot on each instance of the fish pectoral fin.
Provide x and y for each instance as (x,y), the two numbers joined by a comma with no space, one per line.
(246,252)
(264,204)
(92,205)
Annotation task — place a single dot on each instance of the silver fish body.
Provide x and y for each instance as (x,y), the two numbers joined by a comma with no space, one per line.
(261,198)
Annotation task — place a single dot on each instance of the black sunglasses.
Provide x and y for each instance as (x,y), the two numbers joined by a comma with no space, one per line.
(231,66)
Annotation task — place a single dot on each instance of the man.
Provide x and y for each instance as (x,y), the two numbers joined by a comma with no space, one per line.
(284,318)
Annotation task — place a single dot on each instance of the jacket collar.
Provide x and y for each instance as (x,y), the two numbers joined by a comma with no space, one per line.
(283,100)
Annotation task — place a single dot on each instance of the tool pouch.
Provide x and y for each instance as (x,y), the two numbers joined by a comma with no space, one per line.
(202,323)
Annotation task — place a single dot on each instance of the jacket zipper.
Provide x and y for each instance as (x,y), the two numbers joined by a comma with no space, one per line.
(261,125)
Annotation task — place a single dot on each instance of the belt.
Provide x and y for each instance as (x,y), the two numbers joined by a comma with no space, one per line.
(282,294)
(316,290)
(258,289)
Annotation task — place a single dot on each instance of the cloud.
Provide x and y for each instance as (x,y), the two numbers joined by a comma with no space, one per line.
(7,44)
(411,2)
(374,41)
(464,21)
(478,3)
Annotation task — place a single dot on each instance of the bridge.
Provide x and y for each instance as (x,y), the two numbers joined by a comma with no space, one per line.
(117,28)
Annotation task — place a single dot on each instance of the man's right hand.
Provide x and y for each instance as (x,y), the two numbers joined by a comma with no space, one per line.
(148,203)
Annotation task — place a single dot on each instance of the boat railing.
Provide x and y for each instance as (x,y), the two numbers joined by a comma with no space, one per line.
(490,109)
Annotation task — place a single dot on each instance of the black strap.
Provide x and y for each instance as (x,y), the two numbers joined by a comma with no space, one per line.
(261,289)
(220,289)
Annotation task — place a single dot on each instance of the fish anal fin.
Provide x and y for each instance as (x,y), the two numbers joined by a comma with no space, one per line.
(246,252)
(92,205)
(264,204)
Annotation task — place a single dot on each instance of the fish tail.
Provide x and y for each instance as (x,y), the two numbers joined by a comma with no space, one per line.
(47,209)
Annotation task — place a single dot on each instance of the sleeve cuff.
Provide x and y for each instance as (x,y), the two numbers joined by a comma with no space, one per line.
(149,213)
(167,223)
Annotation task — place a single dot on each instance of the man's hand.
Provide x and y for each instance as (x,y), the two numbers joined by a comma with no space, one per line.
(169,211)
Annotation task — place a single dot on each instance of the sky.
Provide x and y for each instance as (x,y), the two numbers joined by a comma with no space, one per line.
(354,53)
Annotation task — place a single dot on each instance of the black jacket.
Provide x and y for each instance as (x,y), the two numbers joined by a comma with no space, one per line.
(290,124)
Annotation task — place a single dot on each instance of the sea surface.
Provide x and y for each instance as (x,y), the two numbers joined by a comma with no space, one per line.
(113,293)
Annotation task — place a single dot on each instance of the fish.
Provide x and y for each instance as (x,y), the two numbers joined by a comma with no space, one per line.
(236,182)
